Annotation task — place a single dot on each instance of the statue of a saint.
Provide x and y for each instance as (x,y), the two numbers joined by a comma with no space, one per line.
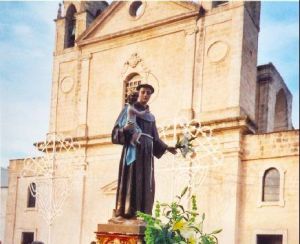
(136,185)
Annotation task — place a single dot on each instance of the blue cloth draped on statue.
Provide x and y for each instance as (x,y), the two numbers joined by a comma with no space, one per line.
(121,122)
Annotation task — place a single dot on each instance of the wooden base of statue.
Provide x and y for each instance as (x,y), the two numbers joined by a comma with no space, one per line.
(121,232)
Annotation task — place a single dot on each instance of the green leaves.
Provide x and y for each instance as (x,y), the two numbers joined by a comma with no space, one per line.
(180,227)
(216,232)
(184,191)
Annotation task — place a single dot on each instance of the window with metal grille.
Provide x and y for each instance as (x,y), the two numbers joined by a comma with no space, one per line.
(271,185)
(131,84)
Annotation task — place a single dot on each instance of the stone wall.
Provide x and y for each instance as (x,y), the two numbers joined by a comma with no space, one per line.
(204,63)
(278,150)
(274,101)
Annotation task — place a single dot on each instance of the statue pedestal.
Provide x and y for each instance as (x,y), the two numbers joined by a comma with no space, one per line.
(127,232)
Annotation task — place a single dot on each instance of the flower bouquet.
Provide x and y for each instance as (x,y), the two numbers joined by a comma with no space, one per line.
(173,224)
(185,144)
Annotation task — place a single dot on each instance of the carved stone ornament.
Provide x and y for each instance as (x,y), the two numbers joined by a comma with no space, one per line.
(135,64)
(66,84)
(133,61)
(217,51)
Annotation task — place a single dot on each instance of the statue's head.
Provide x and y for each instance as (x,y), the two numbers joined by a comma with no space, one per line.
(132,97)
(144,93)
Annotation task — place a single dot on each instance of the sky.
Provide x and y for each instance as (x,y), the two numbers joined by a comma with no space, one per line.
(27,33)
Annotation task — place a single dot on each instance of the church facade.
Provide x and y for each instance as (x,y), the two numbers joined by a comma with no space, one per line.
(202,61)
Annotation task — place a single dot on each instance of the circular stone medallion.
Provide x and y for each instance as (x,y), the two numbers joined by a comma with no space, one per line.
(66,84)
(217,51)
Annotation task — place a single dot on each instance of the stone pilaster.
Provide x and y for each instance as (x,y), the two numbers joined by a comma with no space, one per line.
(84,87)
(54,97)
(187,94)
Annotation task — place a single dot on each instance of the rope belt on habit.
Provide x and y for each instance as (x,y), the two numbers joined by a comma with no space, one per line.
(151,172)
(147,135)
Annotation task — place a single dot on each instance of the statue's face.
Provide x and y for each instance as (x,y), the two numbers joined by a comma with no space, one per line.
(144,95)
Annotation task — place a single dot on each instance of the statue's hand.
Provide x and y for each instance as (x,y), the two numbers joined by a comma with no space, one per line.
(172,150)
(129,126)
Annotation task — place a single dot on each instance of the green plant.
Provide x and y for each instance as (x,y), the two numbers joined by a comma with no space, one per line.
(171,223)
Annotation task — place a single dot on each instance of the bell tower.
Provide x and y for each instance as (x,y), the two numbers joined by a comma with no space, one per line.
(69,82)
(225,84)
(73,17)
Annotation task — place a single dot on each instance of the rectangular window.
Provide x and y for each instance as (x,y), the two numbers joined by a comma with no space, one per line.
(30,196)
(269,239)
(27,237)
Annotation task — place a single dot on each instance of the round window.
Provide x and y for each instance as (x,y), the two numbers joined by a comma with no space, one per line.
(136,8)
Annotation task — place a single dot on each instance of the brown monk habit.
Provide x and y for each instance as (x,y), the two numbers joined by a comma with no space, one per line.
(136,185)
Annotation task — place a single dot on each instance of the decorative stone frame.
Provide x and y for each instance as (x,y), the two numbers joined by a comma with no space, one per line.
(135,64)
(271,232)
(280,203)
(217,51)
(66,84)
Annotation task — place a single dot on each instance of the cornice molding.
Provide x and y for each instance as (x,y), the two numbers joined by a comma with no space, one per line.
(234,123)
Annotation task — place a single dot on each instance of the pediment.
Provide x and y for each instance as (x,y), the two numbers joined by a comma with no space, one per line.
(118,18)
